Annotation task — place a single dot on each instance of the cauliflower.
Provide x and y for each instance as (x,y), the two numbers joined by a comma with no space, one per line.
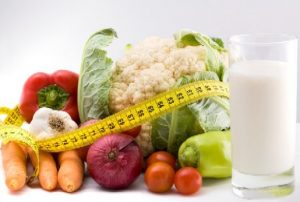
(149,68)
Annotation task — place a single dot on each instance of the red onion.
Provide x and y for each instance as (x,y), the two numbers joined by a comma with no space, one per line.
(115,161)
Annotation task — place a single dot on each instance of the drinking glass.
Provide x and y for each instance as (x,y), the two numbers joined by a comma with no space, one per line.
(263,88)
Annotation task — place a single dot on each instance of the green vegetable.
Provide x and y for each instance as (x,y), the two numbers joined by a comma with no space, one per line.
(213,60)
(210,153)
(95,76)
(219,41)
(171,130)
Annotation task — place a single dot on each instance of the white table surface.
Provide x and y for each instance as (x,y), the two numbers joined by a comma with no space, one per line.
(212,191)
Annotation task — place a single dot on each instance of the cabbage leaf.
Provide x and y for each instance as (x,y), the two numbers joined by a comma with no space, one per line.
(209,114)
(95,76)
(214,48)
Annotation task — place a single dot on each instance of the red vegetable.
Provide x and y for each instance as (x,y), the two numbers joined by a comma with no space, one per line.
(161,156)
(159,177)
(188,180)
(56,91)
(115,161)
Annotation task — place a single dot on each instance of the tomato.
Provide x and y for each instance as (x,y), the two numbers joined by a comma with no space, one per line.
(159,177)
(162,156)
(188,180)
(133,132)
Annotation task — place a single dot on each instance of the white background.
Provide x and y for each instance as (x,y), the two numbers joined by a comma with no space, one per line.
(39,35)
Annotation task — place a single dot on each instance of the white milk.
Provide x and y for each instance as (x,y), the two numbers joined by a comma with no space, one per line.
(263,116)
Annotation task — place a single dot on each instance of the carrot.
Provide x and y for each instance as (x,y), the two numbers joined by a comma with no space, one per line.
(71,171)
(48,171)
(14,165)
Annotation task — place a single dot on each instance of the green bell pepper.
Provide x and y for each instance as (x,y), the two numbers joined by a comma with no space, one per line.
(209,152)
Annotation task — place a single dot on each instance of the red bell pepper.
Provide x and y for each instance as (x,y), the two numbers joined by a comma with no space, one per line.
(56,91)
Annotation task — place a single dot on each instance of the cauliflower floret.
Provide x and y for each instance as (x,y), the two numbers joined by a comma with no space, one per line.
(149,68)
(144,139)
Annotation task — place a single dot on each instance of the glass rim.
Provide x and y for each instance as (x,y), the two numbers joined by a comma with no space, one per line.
(251,39)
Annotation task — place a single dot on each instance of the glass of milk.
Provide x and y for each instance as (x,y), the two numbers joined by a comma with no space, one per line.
(263,85)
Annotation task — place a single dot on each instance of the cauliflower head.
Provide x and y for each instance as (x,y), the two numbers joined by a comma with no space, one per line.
(147,69)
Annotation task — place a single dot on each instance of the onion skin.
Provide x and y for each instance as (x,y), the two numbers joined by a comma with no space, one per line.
(115,161)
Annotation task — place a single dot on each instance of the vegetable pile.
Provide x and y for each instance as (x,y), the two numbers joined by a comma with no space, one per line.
(179,148)
(153,66)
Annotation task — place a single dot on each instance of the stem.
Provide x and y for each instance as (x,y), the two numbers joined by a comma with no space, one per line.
(112,155)
(53,97)
(190,157)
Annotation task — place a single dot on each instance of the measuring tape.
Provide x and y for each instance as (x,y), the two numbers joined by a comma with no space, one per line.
(124,120)
(10,130)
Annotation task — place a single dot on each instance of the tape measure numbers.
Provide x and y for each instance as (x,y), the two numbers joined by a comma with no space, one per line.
(133,116)
(136,115)
(126,119)
(13,116)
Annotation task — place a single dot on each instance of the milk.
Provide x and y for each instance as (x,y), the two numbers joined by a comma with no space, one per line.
(263,116)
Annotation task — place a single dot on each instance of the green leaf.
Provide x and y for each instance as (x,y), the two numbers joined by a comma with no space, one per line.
(160,132)
(219,41)
(95,76)
(171,130)
(211,114)
(213,60)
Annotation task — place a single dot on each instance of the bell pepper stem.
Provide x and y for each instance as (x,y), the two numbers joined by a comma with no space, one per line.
(53,97)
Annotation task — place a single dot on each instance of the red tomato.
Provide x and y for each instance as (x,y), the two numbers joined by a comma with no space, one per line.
(162,156)
(133,132)
(159,177)
(188,180)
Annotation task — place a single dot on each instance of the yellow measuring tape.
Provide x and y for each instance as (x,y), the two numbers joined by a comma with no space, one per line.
(126,119)
(10,130)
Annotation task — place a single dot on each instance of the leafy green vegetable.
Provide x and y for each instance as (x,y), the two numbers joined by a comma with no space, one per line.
(171,130)
(95,76)
(212,113)
(214,49)
(219,41)
(209,152)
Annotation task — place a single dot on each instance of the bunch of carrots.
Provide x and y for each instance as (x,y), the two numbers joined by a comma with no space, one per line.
(65,169)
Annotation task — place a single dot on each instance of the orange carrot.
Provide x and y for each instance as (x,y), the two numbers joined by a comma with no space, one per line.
(14,165)
(48,171)
(71,171)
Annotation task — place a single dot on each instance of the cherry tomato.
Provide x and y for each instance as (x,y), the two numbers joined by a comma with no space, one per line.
(162,156)
(159,177)
(133,132)
(188,180)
